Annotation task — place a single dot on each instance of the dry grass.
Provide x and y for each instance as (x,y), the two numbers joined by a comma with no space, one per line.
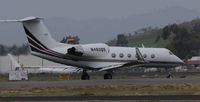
(184,89)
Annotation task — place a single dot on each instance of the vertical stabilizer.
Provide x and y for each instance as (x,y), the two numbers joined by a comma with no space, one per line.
(14,62)
(37,33)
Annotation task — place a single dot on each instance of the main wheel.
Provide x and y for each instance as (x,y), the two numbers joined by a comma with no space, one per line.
(85,75)
(107,76)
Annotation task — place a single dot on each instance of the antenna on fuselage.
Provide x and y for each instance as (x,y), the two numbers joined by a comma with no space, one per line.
(143,46)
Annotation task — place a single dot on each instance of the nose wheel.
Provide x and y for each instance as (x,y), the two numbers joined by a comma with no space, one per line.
(169,75)
(85,75)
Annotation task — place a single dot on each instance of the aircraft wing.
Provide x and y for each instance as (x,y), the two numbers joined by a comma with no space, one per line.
(122,66)
(111,67)
(140,62)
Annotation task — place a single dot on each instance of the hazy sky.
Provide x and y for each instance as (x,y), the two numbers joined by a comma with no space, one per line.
(85,9)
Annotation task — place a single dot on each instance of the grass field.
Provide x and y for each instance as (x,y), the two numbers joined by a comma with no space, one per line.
(98,75)
(113,90)
(109,90)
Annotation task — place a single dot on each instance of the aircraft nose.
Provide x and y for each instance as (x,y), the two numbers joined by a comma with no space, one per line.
(180,61)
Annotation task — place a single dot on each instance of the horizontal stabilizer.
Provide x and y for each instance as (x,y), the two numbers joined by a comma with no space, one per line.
(23,20)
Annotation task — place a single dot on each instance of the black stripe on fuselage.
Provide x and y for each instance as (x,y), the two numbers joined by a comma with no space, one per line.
(34,44)
(34,49)
(30,35)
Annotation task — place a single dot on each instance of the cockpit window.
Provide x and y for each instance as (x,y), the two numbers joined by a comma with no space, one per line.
(170,53)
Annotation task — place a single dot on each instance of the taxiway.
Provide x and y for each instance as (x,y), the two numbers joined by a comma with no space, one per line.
(82,83)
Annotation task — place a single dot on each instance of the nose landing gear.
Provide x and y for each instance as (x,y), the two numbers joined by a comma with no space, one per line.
(108,75)
(85,75)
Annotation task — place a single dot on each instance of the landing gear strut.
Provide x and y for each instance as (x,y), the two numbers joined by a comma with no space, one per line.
(85,75)
(169,75)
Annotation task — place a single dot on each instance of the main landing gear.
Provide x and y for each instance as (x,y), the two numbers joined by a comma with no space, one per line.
(108,76)
(85,75)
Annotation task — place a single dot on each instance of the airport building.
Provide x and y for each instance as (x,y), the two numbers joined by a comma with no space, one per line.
(195,61)
(25,60)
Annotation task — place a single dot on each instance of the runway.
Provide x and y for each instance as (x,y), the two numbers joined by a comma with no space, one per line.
(100,98)
(82,83)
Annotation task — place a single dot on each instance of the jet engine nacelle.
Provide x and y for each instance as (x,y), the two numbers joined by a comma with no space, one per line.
(90,50)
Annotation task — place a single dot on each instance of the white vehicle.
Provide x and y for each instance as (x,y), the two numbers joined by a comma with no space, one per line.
(98,56)
(44,69)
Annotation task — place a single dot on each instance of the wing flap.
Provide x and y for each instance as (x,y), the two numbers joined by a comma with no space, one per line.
(111,67)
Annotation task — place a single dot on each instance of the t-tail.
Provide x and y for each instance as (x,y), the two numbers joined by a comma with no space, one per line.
(38,35)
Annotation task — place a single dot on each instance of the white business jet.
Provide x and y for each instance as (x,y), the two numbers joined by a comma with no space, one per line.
(44,69)
(97,56)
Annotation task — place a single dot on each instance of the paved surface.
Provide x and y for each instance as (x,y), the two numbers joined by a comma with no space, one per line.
(40,84)
(87,98)
(43,84)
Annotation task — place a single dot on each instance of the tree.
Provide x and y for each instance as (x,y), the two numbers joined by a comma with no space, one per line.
(185,44)
(122,40)
(14,49)
(157,39)
(3,50)
(166,32)
(76,39)
(24,49)
(174,28)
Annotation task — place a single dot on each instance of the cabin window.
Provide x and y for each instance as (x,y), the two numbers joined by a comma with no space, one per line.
(113,55)
(153,56)
(145,55)
(129,55)
(121,55)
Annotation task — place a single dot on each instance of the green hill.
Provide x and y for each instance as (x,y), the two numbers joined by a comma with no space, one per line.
(147,38)
(183,39)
